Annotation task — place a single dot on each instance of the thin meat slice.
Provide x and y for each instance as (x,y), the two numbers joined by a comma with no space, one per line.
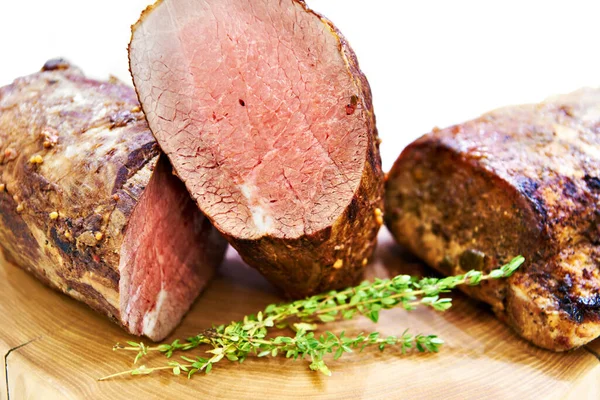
(519,180)
(90,206)
(265,116)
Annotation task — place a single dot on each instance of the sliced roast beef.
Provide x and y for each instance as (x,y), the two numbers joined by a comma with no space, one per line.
(266,117)
(520,180)
(90,206)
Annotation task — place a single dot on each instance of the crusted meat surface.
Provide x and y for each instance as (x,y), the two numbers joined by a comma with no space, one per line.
(89,206)
(519,180)
(266,117)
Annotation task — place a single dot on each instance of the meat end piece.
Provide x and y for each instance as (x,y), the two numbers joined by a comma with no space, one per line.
(91,207)
(519,180)
(264,114)
(168,255)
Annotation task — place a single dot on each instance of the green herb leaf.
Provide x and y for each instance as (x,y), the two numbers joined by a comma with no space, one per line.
(250,336)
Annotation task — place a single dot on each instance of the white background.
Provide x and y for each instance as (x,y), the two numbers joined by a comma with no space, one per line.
(430,63)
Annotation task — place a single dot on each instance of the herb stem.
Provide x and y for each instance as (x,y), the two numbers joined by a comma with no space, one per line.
(133,372)
(239,339)
(400,295)
(304,344)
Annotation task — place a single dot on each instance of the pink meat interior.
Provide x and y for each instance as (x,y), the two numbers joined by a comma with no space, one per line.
(249,100)
(169,253)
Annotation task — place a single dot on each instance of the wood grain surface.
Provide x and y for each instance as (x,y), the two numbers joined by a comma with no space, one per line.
(55,347)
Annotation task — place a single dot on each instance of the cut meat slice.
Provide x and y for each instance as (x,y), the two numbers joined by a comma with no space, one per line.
(169,253)
(267,119)
(89,206)
(519,180)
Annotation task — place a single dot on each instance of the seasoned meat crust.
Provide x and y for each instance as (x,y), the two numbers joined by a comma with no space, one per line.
(519,180)
(266,117)
(81,180)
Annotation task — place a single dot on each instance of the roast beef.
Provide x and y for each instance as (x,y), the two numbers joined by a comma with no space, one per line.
(520,180)
(266,117)
(90,206)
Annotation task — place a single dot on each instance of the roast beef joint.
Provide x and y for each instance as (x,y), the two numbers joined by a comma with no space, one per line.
(519,180)
(266,117)
(90,206)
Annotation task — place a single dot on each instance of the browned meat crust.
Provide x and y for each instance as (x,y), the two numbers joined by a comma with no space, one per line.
(519,180)
(76,156)
(304,264)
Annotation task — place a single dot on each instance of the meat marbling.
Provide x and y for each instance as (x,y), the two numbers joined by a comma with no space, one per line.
(266,117)
(90,206)
(520,180)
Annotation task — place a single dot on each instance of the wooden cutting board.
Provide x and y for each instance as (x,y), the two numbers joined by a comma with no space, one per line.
(55,347)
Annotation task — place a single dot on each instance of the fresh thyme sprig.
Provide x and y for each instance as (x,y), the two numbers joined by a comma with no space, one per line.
(368,299)
(304,345)
(239,339)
